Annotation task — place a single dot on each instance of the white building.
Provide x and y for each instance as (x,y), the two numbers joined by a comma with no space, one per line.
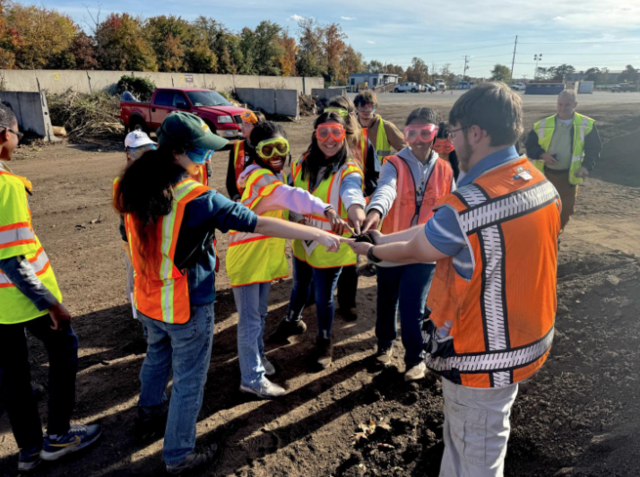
(373,80)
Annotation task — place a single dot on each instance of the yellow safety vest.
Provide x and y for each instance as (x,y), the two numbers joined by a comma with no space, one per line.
(383,147)
(328,191)
(18,238)
(582,125)
(255,258)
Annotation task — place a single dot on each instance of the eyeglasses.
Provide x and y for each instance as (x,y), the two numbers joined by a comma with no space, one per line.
(340,111)
(277,146)
(451,134)
(17,133)
(334,131)
(425,133)
(249,117)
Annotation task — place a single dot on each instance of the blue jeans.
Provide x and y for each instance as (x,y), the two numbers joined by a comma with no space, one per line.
(185,350)
(325,281)
(406,286)
(252,304)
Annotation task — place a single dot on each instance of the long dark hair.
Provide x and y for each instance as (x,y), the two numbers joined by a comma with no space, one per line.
(261,132)
(145,191)
(315,157)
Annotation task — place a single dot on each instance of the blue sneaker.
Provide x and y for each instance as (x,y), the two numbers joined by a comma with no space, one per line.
(29,459)
(77,438)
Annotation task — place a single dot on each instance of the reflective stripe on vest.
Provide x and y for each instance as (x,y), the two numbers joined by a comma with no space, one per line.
(409,209)
(582,125)
(238,161)
(504,315)
(255,258)
(17,238)
(161,291)
(328,191)
(201,175)
(383,147)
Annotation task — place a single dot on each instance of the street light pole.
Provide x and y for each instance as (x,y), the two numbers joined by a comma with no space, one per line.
(536,58)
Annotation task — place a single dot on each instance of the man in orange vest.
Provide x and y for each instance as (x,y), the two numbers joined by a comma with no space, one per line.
(492,304)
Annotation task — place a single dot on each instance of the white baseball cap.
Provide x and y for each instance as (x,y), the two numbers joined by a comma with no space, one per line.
(137,138)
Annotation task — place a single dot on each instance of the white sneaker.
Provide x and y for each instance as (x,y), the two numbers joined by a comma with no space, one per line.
(416,372)
(269,369)
(266,390)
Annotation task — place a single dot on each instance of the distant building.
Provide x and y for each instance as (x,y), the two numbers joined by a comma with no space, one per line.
(373,80)
(582,76)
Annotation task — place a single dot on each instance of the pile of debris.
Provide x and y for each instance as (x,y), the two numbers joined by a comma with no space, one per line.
(85,116)
(307,105)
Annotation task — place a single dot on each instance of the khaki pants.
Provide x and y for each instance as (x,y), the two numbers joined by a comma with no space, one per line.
(567,192)
(476,429)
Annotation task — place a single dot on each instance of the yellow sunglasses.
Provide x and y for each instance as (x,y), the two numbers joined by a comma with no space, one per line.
(341,111)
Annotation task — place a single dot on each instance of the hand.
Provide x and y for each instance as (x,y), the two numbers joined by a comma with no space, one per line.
(360,248)
(372,221)
(330,241)
(548,159)
(356,218)
(582,173)
(377,236)
(60,316)
(338,226)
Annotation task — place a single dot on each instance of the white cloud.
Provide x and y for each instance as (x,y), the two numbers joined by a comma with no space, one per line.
(559,19)
(295,17)
(347,18)
(371,42)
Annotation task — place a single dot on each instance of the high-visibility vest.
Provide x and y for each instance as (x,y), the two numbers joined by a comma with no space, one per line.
(255,258)
(17,238)
(161,291)
(409,208)
(582,125)
(503,317)
(202,177)
(328,191)
(383,146)
(238,161)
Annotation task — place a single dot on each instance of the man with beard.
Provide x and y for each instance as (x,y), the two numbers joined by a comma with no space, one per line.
(492,303)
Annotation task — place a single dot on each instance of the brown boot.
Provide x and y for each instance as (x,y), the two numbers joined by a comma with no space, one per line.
(324,352)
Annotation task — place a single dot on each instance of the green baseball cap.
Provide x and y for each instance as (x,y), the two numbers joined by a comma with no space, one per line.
(180,128)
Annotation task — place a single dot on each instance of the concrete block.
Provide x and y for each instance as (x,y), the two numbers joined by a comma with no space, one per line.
(246,95)
(293,82)
(219,82)
(188,80)
(106,81)
(18,80)
(286,102)
(312,83)
(161,80)
(327,94)
(31,111)
(60,81)
(246,81)
(271,82)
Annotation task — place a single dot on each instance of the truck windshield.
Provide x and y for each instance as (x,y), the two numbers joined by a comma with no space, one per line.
(207,98)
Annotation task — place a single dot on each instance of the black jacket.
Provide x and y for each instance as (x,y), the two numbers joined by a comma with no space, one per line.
(592,147)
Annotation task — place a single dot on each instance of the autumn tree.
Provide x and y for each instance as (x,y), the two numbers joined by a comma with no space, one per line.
(311,58)
(352,63)
(40,35)
(170,37)
(122,44)
(83,50)
(267,49)
(289,52)
(418,72)
(334,48)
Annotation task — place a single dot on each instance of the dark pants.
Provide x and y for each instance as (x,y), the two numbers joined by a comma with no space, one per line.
(405,287)
(324,281)
(347,288)
(567,192)
(15,375)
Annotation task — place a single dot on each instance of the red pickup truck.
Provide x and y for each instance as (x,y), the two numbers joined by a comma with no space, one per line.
(222,117)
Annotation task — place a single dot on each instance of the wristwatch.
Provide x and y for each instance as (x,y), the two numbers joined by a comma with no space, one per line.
(372,257)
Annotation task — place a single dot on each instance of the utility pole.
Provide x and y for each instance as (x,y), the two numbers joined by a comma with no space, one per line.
(513,61)
(536,58)
(464,71)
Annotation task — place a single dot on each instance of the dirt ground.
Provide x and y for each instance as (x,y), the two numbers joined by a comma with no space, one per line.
(579,416)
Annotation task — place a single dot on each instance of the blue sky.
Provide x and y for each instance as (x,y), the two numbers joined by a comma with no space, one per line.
(584,33)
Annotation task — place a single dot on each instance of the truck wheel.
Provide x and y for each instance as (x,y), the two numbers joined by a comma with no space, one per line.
(138,122)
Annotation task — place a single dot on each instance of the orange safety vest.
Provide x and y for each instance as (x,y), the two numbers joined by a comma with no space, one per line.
(161,291)
(409,208)
(239,162)
(503,317)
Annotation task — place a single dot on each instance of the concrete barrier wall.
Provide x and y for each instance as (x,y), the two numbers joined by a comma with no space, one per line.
(31,111)
(57,82)
(328,93)
(271,101)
